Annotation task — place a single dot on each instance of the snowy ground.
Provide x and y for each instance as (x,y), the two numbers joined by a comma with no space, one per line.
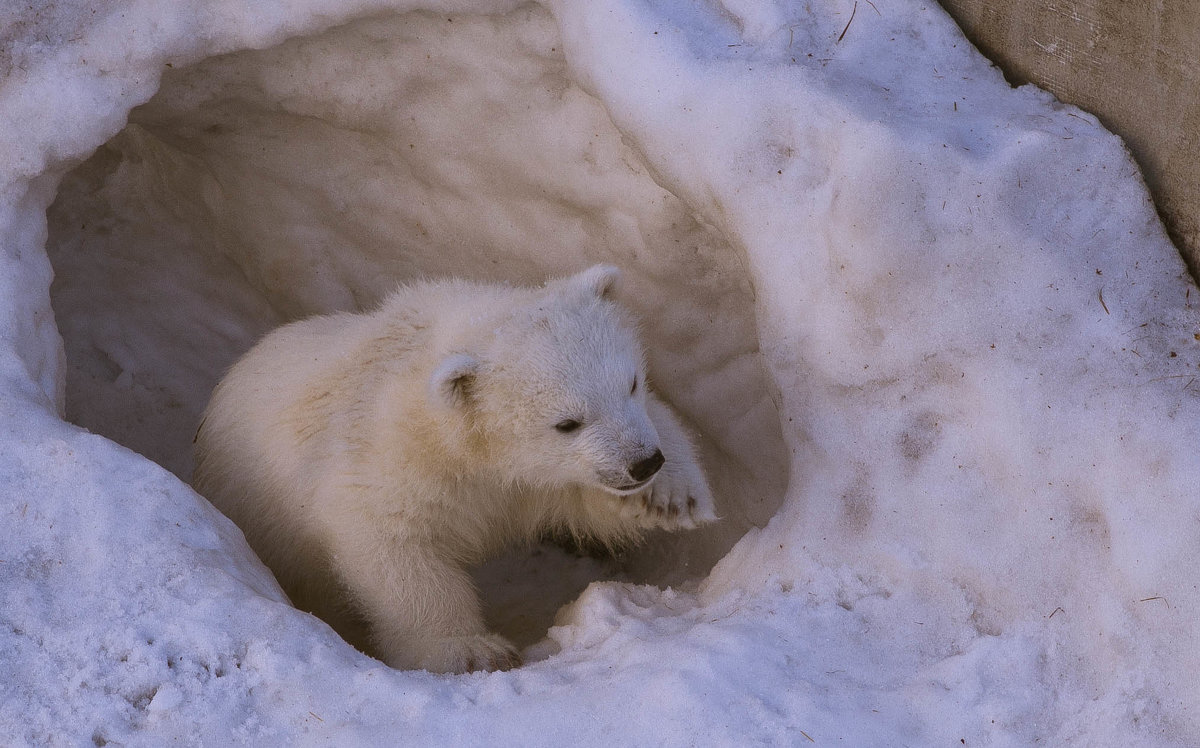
(934,336)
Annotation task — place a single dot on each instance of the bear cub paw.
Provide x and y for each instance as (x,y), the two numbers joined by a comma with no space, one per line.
(679,498)
(464,654)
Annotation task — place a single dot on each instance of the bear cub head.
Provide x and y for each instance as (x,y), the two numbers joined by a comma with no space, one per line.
(555,389)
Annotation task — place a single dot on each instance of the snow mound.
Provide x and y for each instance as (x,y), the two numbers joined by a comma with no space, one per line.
(941,354)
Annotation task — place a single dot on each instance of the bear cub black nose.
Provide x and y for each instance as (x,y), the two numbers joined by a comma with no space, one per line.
(643,469)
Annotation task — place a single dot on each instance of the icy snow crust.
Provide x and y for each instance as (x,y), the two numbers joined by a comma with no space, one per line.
(928,326)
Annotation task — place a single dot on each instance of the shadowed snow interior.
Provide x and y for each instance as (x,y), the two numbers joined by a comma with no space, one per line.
(255,188)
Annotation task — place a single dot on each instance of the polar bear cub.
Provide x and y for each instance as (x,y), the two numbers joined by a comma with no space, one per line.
(370,459)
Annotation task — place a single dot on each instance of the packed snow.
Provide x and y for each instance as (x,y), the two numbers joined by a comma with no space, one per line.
(940,353)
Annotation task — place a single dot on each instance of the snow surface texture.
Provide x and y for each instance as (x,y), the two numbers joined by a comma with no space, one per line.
(928,326)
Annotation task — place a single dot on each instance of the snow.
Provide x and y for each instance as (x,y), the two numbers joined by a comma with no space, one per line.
(940,351)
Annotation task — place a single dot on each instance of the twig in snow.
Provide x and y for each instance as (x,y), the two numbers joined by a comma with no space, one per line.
(727,615)
(1102,302)
(852,12)
(1056,610)
(1156,597)
(805,734)
(1170,376)
(874,8)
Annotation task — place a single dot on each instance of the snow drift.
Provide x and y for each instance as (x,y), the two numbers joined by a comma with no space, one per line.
(941,354)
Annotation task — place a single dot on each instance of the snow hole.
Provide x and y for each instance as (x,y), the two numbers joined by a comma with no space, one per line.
(262,186)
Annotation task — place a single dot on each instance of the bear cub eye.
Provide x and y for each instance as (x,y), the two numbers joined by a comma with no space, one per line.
(568,425)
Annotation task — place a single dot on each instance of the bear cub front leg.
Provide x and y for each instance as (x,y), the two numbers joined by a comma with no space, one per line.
(679,496)
(423,610)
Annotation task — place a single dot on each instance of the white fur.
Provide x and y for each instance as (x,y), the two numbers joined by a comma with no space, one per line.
(370,459)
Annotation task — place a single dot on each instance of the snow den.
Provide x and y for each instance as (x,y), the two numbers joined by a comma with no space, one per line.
(943,359)
(262,186)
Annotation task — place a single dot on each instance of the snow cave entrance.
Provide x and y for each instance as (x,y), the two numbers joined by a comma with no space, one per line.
(262,186)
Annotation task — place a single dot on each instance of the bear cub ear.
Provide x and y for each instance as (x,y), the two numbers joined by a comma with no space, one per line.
(451,381)
(599,280)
